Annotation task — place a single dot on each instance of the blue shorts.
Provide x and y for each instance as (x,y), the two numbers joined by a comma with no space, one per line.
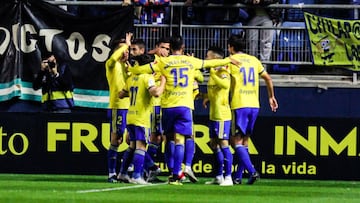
(117,118)
(177,120)
(138,133)
(156,126)
(220,129)
(244,121)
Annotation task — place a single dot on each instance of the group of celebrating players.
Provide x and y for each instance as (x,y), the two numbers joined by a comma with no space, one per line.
(152,99)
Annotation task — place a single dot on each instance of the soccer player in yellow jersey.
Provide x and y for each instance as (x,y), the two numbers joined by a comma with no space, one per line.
(245,100)
(137,48)
(177,100)
(116,75)
(140,88)
(162,48)
(218,88)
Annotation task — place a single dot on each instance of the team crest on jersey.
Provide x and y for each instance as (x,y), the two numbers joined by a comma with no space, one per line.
(151,82)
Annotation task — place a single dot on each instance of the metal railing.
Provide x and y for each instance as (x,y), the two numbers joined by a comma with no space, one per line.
(290,44)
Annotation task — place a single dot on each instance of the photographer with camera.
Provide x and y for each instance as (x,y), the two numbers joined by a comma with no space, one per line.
(55,80)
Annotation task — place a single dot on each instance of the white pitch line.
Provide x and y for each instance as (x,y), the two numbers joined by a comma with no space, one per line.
(117,188)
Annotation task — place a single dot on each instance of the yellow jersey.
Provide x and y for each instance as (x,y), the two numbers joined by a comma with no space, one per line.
(179,71)
(245,81)
(116,76)
(218,89)
(140,99)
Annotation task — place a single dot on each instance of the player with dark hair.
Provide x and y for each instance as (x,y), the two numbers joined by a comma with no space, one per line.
(245,101)
(137,48)
(140,88)
(116,74)
(220,119)
(162,48)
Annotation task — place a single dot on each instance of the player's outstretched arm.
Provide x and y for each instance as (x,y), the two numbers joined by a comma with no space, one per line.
(222,80)
(118,53)
(216,62)
(149,68)
(220,62)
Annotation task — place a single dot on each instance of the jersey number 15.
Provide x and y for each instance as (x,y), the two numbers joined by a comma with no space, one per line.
(180,77)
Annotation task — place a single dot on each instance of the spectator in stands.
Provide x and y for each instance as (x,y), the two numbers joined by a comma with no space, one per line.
(55,81)
(152,11)
(260,40)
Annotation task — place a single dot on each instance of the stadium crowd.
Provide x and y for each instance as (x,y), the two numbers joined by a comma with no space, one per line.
(208,12)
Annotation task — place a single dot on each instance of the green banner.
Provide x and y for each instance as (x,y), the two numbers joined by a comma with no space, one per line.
(334,42)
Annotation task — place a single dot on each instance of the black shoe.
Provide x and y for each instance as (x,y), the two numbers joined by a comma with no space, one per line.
(237,181)
(113,179)
(174,181)
(253,177)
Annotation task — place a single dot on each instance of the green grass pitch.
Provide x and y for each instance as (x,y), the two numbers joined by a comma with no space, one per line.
(25,188)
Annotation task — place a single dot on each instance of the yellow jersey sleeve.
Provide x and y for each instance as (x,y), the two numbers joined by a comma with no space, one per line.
(218,94)
(116,76)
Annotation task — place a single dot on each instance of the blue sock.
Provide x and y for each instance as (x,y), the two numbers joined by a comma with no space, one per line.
(112,155)
(219,162)
(127,159)
(148,162)
(244,158)
(228,160)
(169,155)
(178,158)
(153,149)
(239,166)
(189,151)
(138,160)
(239,171)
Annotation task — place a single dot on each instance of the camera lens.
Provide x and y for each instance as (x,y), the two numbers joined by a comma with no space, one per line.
(51,64)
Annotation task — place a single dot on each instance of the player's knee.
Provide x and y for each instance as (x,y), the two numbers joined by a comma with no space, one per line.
(179,138)
(236,140)
(224,143)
